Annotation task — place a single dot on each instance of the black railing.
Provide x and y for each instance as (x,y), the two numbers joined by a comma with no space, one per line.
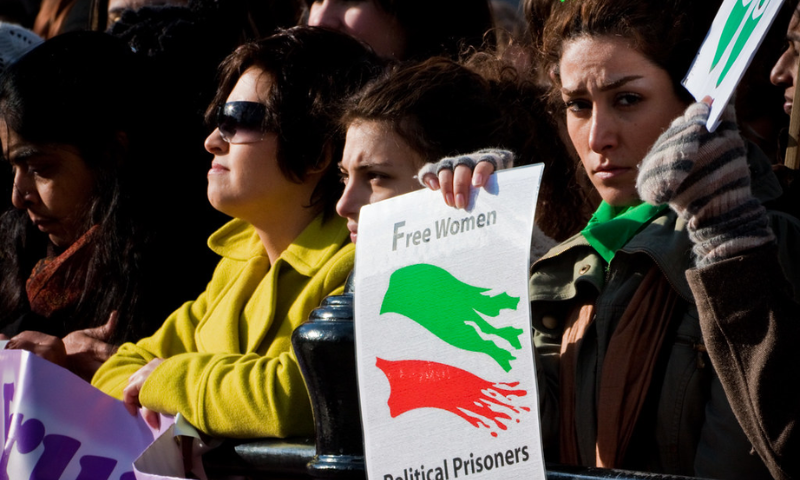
(325,350)
(289,459)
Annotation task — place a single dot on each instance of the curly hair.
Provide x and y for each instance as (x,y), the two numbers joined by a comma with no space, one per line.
(441,108)
(667,32)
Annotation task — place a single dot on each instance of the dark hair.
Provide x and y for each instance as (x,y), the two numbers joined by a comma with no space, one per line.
(537,12)
(86,90)
(438,107)
(251,19)
(188,42)
(184,46)
(667,32)
(313,70)
(441,108)
(510,25)
(441,27)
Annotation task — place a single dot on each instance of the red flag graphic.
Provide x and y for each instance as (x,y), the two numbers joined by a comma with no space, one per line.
(420,384)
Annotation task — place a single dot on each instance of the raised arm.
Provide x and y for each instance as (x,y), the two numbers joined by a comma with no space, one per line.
(744,256)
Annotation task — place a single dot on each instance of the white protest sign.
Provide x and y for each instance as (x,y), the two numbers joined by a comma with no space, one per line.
(443,340)
(731,43)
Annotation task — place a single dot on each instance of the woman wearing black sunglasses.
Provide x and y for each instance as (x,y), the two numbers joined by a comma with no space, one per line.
(224,361)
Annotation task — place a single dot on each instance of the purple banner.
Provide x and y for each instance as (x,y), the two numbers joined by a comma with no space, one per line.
(55,426)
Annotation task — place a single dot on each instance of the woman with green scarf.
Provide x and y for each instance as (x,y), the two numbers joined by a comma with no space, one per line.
(625,376)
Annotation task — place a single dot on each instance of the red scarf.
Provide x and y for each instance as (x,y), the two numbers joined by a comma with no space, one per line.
(52,288)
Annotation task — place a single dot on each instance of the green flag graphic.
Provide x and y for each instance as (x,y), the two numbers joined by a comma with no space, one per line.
(442,304)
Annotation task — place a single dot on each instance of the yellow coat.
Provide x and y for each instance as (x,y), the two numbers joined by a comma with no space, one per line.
(229,367)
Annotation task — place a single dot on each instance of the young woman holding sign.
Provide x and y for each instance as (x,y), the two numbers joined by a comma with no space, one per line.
(420,113)
(627,381)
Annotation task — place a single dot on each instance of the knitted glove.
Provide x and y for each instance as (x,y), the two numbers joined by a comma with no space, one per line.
(501,159)
(705,178)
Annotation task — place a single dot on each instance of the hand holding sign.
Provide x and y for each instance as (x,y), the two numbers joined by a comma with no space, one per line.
(735,35)
(706,180)
(455,175)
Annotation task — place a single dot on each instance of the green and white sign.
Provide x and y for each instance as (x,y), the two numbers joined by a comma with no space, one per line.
(446,374)
(733,40)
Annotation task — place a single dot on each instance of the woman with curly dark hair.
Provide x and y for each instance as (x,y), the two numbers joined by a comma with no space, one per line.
(631,375)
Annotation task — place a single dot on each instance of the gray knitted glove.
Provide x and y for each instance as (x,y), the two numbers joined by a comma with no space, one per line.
(705,178)
(501,159)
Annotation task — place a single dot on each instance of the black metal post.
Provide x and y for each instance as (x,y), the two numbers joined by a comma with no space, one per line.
(326,353)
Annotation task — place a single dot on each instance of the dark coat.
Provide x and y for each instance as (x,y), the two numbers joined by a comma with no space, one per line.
(750,318)
(687,425)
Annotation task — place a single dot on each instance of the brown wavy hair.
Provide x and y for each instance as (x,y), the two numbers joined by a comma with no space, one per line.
(441,108)
(668,32)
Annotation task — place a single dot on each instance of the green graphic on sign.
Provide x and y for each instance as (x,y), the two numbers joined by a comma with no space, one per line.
(442,304)
(740,25)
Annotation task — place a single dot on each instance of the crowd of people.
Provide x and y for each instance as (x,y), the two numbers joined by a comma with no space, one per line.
(665,260)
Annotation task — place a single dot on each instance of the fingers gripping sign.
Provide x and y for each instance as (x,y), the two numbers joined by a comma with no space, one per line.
(130,395)
(455,175)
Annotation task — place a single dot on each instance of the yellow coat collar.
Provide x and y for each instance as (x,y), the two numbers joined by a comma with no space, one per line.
(238,240)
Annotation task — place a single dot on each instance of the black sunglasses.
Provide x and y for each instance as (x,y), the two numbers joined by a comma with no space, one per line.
(242,122)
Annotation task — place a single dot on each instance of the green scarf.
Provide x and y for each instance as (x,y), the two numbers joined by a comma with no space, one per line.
(610,228)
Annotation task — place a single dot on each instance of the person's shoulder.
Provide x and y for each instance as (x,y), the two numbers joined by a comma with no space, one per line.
(575,241)
(554,276)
